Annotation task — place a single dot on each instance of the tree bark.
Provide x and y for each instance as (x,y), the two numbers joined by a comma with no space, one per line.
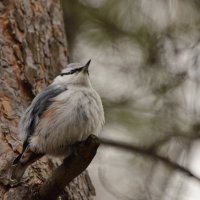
(32,51)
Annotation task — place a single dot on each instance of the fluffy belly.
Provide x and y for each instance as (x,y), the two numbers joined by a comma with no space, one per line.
(54,135)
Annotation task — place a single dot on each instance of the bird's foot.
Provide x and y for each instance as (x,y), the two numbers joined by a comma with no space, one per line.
(15,175)
(14,182)
(7,178)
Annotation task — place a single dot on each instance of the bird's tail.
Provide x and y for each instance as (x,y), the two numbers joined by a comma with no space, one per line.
(20,164)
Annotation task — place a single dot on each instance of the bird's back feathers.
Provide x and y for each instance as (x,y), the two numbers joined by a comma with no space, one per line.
(40,104)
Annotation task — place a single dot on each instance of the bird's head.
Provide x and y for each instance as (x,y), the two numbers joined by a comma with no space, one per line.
(74,74)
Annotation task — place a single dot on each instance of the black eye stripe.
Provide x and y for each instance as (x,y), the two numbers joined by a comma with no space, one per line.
(67,73)
(72,71)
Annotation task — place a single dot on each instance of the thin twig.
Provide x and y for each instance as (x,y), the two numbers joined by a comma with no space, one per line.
(148,153)
(160,142)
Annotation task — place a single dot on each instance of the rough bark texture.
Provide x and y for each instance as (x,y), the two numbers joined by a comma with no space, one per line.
(32,51)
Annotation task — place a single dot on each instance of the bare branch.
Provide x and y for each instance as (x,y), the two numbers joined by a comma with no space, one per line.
(70,168)
(164,140)
(85,152)
(150,154)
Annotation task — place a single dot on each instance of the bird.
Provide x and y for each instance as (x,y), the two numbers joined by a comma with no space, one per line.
(65,112)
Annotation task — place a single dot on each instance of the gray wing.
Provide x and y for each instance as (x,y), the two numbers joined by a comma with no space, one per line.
(39,104)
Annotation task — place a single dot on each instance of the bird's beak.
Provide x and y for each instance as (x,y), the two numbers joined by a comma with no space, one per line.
(85,67)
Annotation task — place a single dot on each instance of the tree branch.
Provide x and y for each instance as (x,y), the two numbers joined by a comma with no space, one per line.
(150,154)
(158,143)
(76,163)
(71,167)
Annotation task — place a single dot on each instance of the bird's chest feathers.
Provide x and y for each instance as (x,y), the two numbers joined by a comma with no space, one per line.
(81,111)
(76,115)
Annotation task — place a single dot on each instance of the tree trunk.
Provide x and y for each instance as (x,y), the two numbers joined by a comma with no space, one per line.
(33,51)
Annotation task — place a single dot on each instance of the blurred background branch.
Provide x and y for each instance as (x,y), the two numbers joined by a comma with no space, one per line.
(148,153)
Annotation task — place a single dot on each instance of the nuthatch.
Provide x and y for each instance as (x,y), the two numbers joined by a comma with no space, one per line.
(67,111)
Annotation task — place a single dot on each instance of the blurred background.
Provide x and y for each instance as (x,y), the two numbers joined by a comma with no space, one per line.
(146,67)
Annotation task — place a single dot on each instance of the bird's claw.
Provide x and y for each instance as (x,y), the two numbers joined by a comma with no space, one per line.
(14,182)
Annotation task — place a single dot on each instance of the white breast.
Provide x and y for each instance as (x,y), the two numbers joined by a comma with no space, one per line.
(72,117)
